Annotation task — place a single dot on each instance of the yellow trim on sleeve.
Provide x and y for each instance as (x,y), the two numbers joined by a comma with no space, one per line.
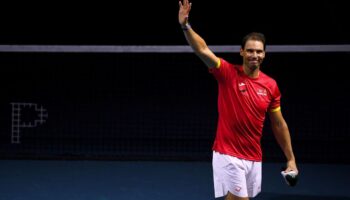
(276,109)
(218,64)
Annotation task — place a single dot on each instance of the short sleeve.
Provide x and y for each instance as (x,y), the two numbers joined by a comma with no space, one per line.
(224,70)
(275,104)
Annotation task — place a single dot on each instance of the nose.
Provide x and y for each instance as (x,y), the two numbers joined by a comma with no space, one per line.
(254,54)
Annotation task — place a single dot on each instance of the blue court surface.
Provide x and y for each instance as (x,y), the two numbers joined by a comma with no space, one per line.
(147,180)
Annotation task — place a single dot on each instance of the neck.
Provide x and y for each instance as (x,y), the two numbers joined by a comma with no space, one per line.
(252,72)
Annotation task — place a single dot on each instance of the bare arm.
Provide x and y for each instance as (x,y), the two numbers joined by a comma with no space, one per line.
(194,40)
(282,135)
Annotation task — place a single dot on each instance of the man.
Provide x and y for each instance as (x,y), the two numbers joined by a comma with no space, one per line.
(245,95)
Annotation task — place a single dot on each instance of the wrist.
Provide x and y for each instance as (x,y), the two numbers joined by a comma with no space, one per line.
(186,27)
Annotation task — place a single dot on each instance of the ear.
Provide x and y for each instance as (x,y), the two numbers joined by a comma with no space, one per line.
(241,51)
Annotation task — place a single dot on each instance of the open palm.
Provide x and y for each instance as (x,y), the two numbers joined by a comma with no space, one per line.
(184,11)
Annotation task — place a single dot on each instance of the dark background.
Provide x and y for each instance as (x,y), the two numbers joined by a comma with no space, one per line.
(149,106)
(155,22)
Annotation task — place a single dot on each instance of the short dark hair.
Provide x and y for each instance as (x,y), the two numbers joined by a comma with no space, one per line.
(254,36)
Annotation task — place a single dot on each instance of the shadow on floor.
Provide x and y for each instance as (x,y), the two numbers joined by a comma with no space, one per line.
(272,196)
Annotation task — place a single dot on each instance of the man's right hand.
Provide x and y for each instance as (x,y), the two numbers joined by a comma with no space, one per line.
(184,11)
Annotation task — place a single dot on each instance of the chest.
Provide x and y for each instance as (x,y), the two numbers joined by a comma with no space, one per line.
(253,93)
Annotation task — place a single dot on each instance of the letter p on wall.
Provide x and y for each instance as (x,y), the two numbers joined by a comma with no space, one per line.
(38,116)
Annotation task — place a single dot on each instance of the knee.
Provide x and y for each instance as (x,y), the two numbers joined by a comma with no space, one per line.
(230,196)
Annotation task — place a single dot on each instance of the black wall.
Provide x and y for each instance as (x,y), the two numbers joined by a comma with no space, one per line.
(163,106)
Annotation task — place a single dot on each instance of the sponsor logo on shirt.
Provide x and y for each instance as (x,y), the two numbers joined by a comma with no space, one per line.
(262,92)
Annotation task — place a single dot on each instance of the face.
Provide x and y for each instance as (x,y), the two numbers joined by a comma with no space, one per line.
(253,54)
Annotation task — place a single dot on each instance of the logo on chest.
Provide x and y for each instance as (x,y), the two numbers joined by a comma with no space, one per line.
(242,87)
(261,92)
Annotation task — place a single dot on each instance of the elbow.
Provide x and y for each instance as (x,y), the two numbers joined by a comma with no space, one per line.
(202,51)
(280,125)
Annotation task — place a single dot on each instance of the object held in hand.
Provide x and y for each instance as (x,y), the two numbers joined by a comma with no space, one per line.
(290,177)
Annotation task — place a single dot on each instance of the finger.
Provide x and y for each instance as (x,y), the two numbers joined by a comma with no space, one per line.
(186,2)
(291,169)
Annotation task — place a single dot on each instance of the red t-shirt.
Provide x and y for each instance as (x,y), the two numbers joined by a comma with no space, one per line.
(242,105)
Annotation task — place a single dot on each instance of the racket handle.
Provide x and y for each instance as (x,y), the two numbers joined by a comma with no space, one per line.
(291,177)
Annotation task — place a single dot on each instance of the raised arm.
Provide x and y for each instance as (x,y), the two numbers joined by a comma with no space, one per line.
(194,40)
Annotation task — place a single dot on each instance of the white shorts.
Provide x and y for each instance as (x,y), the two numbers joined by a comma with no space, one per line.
(240,177)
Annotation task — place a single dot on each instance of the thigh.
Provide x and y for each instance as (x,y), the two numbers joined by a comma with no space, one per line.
(254,179)
(229,176)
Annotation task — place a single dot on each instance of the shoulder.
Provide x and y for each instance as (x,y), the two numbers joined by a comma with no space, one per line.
(267,79)
(224,65)
(270,84)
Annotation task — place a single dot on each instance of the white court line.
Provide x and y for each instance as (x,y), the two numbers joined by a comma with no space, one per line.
(166,48)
